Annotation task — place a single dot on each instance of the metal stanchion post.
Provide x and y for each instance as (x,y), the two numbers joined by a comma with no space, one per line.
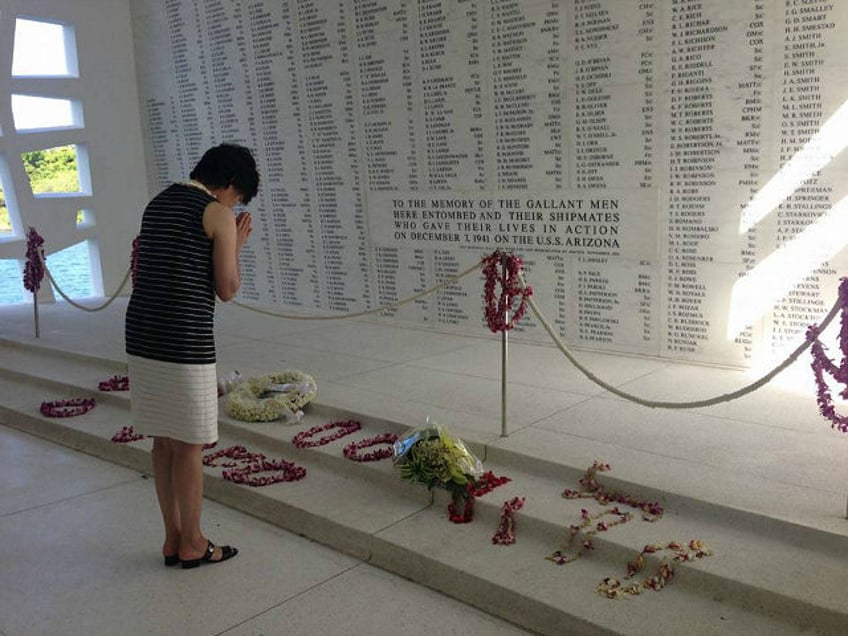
(35,313)
(504,352)
(504,339)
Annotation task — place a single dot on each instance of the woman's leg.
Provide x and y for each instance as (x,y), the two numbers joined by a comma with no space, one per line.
(163,455)
(187,480)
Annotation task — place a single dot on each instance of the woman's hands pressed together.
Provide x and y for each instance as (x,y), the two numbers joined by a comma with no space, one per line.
(244,226)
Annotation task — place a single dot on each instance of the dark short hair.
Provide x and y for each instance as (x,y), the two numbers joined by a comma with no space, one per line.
(228,165)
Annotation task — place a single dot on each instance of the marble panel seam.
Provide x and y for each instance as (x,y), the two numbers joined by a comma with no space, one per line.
(96,491)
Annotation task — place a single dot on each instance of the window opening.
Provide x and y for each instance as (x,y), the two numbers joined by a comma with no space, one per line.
(31,113)
(53,170)
(11,282)
(44,49)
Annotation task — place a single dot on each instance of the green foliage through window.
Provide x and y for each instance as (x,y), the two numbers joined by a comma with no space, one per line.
(52,170)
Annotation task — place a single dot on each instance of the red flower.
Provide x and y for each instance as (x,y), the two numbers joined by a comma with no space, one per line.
(495,309)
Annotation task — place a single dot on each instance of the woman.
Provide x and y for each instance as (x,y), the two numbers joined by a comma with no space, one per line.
(188,251)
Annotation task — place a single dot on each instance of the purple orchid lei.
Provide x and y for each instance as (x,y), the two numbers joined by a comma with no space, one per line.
(34,268)
(821,364)
(134,259)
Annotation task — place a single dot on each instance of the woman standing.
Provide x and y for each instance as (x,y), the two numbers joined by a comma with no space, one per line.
(188,251)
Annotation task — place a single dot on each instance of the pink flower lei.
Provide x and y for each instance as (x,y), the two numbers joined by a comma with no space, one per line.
(67,408)
(505,534)
(288,471)
(302,439)
(821,364)
(244,463)
(126,435)
(509,277)
(34,267)
(115,383)
(351,451)
(486,483)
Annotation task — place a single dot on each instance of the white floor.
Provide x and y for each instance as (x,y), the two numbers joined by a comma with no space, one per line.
(78,534)
(78,540)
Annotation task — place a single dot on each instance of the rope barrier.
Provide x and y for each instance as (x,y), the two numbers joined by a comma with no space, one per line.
(267,312)
(426,292)
(726,397)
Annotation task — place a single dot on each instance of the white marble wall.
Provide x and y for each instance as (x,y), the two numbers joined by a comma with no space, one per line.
(637,154)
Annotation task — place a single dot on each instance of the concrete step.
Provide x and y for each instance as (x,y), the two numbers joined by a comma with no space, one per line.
(768,575)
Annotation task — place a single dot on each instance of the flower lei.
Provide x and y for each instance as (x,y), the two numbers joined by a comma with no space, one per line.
(613,588)
(822,363)
(351,450)
(651,511)
(495,309)
(246,401)
(126,435)
(34,267)
(67,408)
(346,427)
(134,259)
(561,558)
(236,454)
(245,463)
(115,383)
(486,483)
(505,534)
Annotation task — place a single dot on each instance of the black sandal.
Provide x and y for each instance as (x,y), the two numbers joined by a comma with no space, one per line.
(171,559)
(226,553)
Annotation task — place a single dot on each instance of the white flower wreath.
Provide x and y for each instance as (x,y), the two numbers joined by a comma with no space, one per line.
(270,397)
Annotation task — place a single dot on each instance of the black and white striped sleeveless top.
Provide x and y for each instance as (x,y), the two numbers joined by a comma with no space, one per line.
(170,316)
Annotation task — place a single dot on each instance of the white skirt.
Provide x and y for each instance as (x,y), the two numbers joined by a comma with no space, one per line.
(174,400)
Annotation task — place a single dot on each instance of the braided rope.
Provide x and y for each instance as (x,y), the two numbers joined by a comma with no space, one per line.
(359,314)
(726,397)
(268,312)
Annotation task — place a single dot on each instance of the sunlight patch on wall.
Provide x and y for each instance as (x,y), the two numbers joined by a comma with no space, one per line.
(771,279)
(827,143)
(778,273)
